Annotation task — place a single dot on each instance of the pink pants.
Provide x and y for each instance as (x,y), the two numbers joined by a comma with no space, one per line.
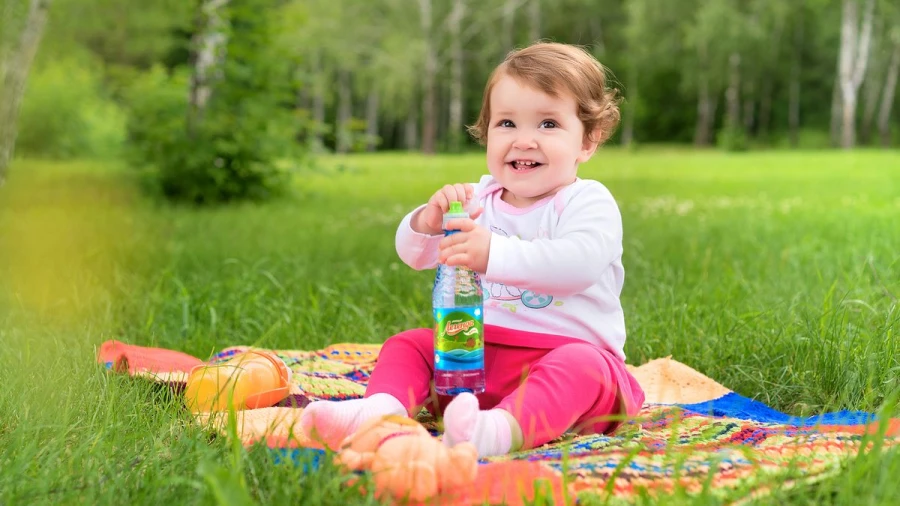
(550,384)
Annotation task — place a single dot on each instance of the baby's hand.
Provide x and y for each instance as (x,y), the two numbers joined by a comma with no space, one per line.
(430,219)
(471,246)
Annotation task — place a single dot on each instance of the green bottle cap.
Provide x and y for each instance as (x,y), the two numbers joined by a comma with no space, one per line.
(456,207)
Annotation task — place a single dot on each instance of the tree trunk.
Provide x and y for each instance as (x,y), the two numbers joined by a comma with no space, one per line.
(411,139)
(733,93)
(765,109)
(749,114)
(854,57)
(794,100)
(534,20)
(887,96)
(429,95)
(15,65)
(871,94)
(597,36)
(629,113)
(372,119)
(703,131)
(318,101)
(344,112)
(836,108)
(507,32)
(456,78)
(207,45)
(761,121)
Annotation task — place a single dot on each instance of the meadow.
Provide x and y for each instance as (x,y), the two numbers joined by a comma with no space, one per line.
(775,273)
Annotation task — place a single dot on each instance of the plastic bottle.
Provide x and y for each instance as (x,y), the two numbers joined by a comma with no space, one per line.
(457,301)
(250,380)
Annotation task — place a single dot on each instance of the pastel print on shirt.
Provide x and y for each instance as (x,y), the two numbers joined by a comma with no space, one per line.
(508,296)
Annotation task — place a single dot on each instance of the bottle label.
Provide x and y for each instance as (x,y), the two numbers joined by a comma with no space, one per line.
(459,339)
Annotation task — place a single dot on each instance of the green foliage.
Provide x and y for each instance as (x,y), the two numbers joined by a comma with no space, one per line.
(66,113)
(733,139)
(230,150)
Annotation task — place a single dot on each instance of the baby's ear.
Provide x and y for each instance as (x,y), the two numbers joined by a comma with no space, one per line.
(589,145)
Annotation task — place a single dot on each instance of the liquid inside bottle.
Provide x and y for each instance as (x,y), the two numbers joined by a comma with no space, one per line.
(457,301)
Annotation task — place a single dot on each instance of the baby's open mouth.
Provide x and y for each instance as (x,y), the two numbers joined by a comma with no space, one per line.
(523,165)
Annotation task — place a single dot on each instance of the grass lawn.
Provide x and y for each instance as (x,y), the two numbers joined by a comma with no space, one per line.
(775,273)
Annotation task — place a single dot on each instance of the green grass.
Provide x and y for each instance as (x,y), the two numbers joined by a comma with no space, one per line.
(777,274)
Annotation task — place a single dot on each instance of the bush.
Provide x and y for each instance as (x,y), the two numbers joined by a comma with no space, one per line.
(246,128)
(65,114)
(733,139)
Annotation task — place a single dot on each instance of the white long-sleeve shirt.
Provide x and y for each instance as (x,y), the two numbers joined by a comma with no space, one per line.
(554,267)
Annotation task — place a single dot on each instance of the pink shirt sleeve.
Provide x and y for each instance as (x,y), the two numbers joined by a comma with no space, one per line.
(419,251)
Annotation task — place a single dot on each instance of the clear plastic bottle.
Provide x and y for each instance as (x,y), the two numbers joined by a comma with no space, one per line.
(458,303)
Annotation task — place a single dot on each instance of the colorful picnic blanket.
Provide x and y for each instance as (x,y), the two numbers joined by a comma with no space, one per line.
(692,435)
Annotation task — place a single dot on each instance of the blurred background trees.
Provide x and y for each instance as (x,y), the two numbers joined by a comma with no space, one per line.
(222,98)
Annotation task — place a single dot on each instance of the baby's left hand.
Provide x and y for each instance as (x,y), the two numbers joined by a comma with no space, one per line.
(469,247)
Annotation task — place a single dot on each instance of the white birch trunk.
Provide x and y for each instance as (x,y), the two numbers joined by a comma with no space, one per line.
(794,100)
(629,113)
(344,112)
(534,20)
(372,119)
(507,33)
(887,96)
(318,102)
(872,85)
(454,23)
(836,108)
(15,64)
(429,95)
(854,57)
(209,43)
(411,130)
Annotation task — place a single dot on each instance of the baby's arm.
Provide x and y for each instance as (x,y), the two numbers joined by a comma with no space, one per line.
(587,240)
(419,234)
(419,251)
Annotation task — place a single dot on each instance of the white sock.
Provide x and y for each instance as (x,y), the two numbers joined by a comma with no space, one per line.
(488,430)
(332,421)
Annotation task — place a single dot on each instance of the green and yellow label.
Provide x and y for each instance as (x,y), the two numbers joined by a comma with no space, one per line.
(458,329)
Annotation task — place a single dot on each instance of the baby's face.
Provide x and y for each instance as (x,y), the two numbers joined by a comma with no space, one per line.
(534,141)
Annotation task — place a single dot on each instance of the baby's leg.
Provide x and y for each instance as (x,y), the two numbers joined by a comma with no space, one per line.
(576,383)
(399,383)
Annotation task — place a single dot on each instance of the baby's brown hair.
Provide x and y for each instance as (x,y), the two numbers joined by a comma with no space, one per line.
(552,67)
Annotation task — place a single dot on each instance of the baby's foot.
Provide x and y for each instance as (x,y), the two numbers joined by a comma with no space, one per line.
(332,421)
(489,431)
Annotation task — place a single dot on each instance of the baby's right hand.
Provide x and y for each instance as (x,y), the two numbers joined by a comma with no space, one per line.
(430,219)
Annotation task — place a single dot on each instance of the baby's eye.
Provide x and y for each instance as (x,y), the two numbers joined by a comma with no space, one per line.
(548,123)
(505,123)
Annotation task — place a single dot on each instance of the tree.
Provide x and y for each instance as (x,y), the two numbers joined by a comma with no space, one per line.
(225,142)
(890,87)
(854,57)
(16,56)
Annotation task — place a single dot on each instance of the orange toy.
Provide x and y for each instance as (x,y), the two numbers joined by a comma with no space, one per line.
(253,379)
(406,461)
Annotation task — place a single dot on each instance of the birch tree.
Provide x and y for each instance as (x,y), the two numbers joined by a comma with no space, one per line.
(890,87)
(19,43)
(454,24)
(429,76)
(208,48)
(856,41)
